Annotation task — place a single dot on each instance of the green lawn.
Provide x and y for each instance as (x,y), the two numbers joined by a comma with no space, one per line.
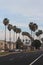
(4,53)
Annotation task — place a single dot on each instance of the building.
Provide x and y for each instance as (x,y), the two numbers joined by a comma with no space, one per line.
(2,45)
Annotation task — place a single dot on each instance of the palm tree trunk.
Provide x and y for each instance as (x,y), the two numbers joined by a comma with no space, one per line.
(23,38)
(16,36)
(5,38)
(31,32)
(5,34)
(39,37)
(13,39)
(19,35)
(10,40)
(31,35)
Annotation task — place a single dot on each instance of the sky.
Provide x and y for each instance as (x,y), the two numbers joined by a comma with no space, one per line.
(21,13)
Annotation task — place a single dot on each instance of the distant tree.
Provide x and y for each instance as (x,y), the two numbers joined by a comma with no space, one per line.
(5,22)
(14,29)
(16,32)
(33,27)
(19,31)
(38,33)
(19,43)
(36,43)
(9,28)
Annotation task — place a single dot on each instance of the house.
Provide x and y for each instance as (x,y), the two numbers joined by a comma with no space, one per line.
(7,45)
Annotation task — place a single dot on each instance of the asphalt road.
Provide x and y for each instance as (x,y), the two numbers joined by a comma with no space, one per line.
(39,61)
(22,58)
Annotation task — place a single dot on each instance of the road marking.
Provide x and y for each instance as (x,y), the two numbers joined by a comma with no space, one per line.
(36,59)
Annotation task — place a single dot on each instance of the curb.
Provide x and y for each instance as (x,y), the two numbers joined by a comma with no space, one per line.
(9,54)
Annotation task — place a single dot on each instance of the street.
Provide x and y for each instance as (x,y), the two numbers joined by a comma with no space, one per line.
(30,58)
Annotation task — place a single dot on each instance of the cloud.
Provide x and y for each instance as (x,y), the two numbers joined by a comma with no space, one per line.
(21,25)
(21,12)
(40,28)
(25,7)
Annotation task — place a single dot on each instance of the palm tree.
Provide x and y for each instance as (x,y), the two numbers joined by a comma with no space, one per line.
(23,36)
(5,22)
(16,32)
(33,27)
(9,28)
(19,31)
(39,33)
(14,29)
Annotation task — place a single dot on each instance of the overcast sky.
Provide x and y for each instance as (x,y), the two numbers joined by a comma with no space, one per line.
(21,13)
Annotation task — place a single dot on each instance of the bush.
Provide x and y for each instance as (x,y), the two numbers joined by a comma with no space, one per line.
(36,43)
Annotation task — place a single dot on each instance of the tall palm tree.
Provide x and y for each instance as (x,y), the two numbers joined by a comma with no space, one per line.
(23,34)
(19,31)
(9,28)
(14,29)
(16,32)
(5,22)
(33,27)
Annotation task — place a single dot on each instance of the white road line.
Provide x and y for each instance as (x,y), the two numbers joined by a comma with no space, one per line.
(36,59)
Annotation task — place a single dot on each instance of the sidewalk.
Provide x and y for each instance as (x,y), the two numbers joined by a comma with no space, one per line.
(8,53)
